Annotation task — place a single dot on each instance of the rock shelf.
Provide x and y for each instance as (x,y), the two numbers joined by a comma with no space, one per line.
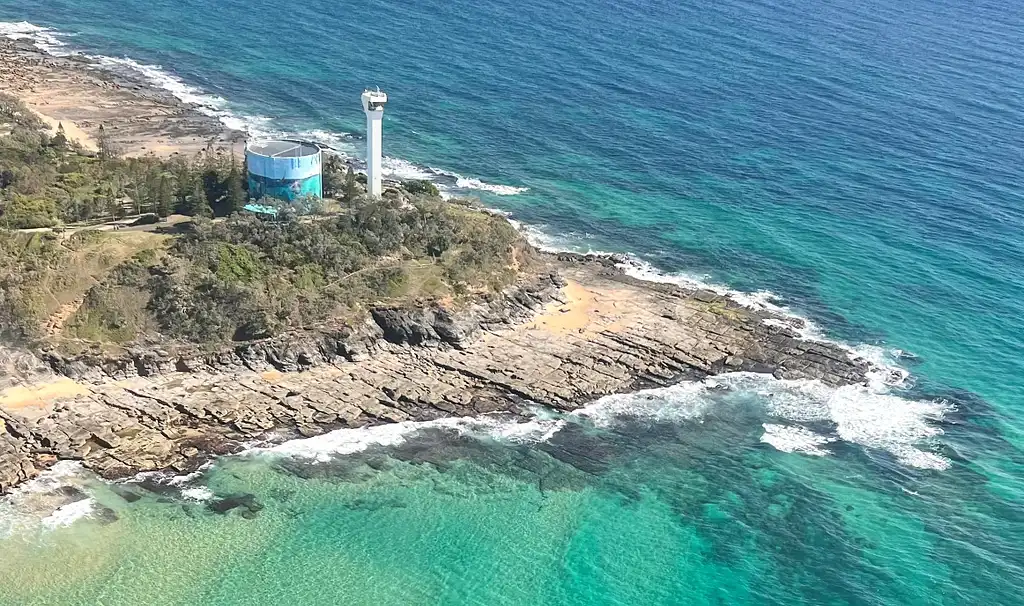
(579,330)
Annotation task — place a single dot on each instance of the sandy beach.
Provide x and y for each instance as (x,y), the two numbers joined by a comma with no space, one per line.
(75,93)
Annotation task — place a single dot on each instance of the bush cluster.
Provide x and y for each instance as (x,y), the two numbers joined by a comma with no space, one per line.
(247,278)
(45,180)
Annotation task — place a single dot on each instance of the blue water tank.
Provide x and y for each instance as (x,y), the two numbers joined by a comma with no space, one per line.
(286,170)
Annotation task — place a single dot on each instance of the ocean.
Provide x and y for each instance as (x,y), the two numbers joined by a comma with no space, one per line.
(856,163)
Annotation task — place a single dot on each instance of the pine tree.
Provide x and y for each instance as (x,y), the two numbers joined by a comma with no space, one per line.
(351,191)
(60,139)
(164,197)
(333,177)
(198,205)
(236,196)
(107,148)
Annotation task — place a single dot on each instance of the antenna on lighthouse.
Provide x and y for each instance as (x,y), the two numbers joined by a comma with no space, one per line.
(373,105)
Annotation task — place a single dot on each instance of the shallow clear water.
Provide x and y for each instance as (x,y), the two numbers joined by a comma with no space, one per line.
(862,160)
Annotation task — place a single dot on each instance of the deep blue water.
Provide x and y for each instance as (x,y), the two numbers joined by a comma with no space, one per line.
(862,160)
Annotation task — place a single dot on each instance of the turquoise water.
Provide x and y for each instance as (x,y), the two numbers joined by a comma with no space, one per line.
(861,160)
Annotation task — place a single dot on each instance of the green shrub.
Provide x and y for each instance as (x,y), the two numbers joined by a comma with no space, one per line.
(26,212)
(421,187)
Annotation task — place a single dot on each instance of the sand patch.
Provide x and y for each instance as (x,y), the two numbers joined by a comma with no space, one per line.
(24,398)
(272,376)
(71,131)
(585,311)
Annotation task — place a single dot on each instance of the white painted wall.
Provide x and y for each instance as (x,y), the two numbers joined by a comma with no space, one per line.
(373,106)
(374,125)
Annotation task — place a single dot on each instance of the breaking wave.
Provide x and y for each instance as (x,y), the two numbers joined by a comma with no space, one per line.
(855,414)
(54,499)
(44,38)
(348,441)
(793,438)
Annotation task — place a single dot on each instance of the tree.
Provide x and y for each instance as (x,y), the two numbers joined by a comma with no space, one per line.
(108,150)
(351,191)
(334,177)
(197,204)
(164,197)
(25,212)
(60,140)
(236,197)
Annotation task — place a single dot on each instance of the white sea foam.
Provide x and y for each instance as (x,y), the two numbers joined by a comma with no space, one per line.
(67,515)
(682,402)
(870,416)
(40,502)
(500,190)
(762,300)
(856,414)
(206,104)
(446,181)
(198,493)
(793,438)
(44,38)
(402,170)
(348,441)
(886,370)
(543,238)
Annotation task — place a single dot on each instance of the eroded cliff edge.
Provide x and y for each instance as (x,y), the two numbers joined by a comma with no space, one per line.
(575,329)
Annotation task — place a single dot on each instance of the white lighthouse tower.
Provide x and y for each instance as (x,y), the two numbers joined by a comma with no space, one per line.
(373,105)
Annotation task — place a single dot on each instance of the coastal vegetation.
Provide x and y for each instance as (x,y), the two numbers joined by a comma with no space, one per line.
(46,180)
(222,274)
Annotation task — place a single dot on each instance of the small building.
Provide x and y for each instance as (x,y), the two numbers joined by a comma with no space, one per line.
(285,170)
(261,211)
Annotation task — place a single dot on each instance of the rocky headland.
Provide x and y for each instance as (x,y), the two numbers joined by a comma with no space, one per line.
(575,329)
(569,329)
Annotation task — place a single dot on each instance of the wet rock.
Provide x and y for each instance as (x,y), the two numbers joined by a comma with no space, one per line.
(128,495)
(103,514)
(246,503)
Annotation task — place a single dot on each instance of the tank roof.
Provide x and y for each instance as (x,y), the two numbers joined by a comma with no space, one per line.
(283,149)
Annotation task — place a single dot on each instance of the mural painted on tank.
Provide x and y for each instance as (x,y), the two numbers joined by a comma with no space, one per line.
(284,189)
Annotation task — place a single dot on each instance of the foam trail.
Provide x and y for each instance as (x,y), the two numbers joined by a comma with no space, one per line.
(793,438)
(199,494)
(683,402)
(399,169)
(348,441)
(206,104)
(858,414)
(869,416)
(403,170)
(499,190)
(66,515)
(541,238)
